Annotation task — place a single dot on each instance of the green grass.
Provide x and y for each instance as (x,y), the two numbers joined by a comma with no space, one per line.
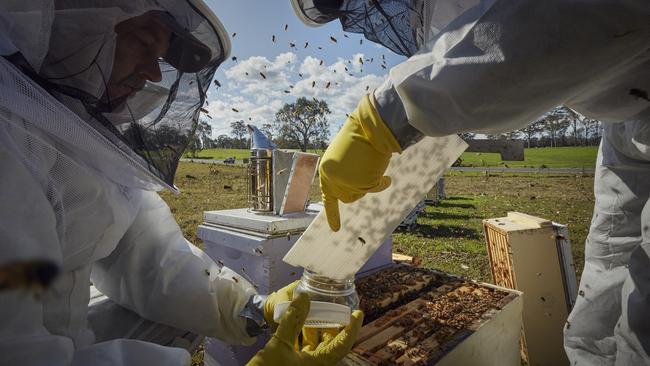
(448,237)
(556,157)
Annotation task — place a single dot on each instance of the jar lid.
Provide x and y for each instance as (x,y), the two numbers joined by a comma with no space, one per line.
(321,314)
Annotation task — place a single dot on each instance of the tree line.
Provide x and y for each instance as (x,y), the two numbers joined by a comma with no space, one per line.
(304,125)
(561,126)
(301,125)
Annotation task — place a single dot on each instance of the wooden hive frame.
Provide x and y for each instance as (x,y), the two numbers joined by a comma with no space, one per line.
(404,336)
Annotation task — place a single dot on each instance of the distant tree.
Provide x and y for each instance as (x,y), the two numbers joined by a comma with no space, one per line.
(533,130)
(512,135)
(239,131)
(166,137)
(592,131)
(556,123)
(303,123)
(467,135)
(208,143)
(575,121)
(320,144)
(267,129)
(201,138)
(224,142)
(204,131)
(194,147)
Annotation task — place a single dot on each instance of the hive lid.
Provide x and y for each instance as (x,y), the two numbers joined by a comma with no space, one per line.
(267,223)
(517,221)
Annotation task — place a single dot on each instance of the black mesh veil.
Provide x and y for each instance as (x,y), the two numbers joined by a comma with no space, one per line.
(403,26)
(161,136)
(392,23)
(137,72)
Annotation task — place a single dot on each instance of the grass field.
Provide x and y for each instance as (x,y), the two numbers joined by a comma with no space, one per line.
(543,157)
(448,236)
(557,157)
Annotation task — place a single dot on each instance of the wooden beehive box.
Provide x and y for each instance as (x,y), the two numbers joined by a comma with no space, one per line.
(533,255)
(421,317)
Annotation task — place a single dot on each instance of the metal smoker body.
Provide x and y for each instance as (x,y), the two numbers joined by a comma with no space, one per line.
(260,172)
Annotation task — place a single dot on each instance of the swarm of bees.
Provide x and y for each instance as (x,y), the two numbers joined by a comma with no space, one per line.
(333,40)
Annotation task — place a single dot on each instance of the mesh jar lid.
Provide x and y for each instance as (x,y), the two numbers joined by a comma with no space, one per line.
(321,314)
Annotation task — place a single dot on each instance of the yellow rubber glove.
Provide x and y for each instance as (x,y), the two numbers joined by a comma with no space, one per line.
(281,350)
(282,295)
(355,162)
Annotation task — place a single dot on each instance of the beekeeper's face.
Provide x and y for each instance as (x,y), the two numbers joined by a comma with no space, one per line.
(141,42)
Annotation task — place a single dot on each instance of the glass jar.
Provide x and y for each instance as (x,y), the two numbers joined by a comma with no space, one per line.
(332,301)
(325,289)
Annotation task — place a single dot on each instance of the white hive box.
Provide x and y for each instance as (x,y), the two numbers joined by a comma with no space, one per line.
(253,245)
(533,255)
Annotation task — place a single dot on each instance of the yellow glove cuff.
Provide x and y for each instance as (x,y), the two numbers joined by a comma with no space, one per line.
(379,135)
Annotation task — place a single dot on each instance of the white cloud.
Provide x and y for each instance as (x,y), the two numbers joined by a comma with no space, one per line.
(257,99)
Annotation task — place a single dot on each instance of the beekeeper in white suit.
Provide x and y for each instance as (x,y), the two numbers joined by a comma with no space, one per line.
(494,66)
(98,100)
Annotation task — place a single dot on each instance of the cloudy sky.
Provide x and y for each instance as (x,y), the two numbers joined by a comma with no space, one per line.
(289,71)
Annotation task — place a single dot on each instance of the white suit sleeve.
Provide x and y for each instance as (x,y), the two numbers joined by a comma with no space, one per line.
(28,232)
(25,341)
(157,273)
(502,64)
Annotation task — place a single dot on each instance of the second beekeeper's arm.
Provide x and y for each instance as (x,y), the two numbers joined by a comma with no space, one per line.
(495,68)
(502,64)
(157,273)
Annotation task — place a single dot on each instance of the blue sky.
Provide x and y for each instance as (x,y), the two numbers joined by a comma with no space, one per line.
(257,99)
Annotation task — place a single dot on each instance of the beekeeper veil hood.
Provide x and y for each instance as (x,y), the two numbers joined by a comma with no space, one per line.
(137,71)
(403,26)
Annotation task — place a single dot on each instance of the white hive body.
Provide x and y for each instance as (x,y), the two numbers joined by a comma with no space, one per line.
(533,255)
(253,244)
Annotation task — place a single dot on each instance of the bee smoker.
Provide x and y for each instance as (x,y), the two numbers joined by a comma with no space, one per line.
(260,172)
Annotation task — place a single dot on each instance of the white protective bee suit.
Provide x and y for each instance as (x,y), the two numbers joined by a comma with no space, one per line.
(495,66)
(75,193)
